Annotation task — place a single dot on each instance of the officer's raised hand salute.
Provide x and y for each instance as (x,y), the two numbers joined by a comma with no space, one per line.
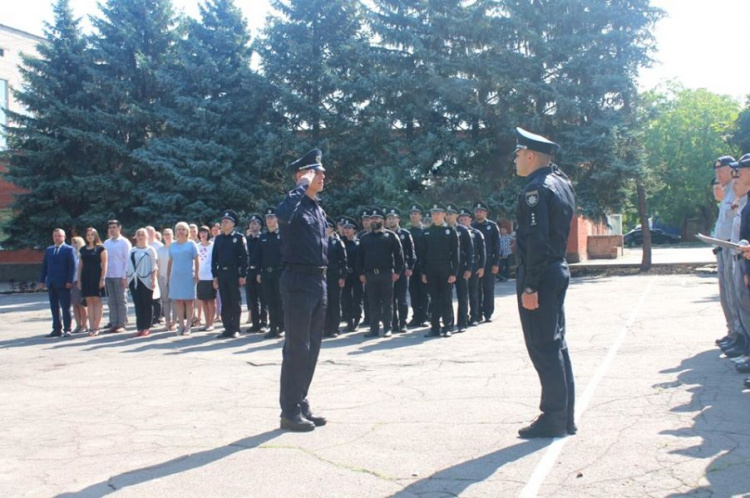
(545,209)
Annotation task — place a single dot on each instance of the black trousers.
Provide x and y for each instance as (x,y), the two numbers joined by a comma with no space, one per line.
(156,305)
(271,289)
(400,304)
(380,299)
(59,299)
(333,310)
(441,297)
(143,299)
(487,293)
(544,334)
(256,303)
(231,302)
(420,298)
(474,311)
(462,296)
(351,299)
(304,299)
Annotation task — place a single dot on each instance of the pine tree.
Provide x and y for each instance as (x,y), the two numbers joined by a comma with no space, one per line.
(206,159)
(47,158)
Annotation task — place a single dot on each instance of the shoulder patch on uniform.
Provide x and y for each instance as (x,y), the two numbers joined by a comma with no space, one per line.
(532,198)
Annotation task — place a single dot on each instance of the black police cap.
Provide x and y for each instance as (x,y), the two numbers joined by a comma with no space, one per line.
(365,213)
(229,214)
(724,161)
(481,205)
(437,207)
(393,211)
(311,160)
(744,162)
(465,212)
(375,212)
(270,211)
(256,217)
(341,220)
(451,208)
(532,141)
(349,223)
(416,208)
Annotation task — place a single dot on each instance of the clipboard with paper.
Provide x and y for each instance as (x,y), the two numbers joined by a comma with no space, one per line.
(724,244)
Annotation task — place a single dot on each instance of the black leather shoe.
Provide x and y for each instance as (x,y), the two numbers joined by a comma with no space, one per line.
(747,383)
(331,335)
(52,335)
(318,421)
(351,327)
(723,339)
(735,352)
(572,429)
(413,324)
(370,334)
(254,329)
(297,424)
(474,323)
(446,333)
(273,334)
(487,319)
(541,428)
(461,328)
(433,333)
(743,367)
(387,333)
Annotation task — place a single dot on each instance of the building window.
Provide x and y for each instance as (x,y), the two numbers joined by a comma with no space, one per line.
(3,117)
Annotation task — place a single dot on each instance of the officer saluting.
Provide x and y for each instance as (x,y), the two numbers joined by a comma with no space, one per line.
(380,260)
(440,259)
(269,273)
(304,254)
(229,268)
(545,209)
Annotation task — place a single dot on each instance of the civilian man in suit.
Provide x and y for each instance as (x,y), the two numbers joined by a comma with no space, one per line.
(58,273)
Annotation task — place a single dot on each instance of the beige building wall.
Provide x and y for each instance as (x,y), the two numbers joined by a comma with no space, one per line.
(13,43)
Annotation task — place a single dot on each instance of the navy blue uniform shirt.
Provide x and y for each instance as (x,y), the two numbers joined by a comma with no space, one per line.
(269,250)
(380,250)
(545,209)
(230,251)
(337,260)
(491,241)
(302,223)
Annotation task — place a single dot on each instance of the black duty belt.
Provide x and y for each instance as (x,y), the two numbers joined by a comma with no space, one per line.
(271,269)
(377,271)
(227,268)
(307,269)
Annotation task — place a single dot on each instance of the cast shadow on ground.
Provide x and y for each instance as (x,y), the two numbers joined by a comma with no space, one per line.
(720,421)
(177,465)
(453,481)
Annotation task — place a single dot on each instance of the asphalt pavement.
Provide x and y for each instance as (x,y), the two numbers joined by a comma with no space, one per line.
(659,412)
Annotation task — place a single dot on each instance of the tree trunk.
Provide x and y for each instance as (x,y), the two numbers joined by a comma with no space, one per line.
(645,228)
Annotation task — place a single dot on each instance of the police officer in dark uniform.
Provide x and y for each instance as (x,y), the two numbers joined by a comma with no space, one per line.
(304,254)
(351,298)
(380,260)
(545,209)
(400,287)
(466,263)
(440,256)
(477,270)
(418,295)
(335,280)
(256,305)
(269,273)
(229,269)
(492,264)
(365,218)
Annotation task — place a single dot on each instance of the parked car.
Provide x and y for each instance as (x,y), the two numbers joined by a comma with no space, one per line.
(635,237)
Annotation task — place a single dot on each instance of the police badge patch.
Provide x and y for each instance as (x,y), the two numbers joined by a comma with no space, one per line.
(447,231)
(532,198)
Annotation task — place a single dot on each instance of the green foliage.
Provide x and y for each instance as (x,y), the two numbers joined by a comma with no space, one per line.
(687,131)
(741,136)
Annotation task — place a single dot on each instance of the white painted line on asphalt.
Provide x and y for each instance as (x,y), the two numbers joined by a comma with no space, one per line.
(547,462)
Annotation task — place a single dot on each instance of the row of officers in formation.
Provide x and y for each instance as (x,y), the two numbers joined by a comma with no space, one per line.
(371,270)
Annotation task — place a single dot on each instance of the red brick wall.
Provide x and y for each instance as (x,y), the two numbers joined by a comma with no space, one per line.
(577,242)
(21,256)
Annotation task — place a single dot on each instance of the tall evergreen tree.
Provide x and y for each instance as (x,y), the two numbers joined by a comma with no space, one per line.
(134,39)
(46,156)
(206,158)
(315,53)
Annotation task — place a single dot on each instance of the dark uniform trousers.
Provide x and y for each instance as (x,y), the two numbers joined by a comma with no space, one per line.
(544,334)
(351,299)
(256,303)
(487,292)
(473,286)
(441,297)
(304,299)
(333,310)
(231,301)
(380,298)
(270,278)
(400,304)
(462,296)
(420,297)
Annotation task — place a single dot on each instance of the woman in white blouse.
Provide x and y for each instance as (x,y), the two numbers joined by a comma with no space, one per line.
(141,275)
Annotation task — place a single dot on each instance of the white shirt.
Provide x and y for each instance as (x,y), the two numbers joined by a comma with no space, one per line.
(163,254)
(118,251)
(205,254)
(723,229)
